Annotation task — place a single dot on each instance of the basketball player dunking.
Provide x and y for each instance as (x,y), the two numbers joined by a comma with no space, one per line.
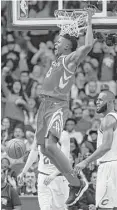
(106,153)
(54,108)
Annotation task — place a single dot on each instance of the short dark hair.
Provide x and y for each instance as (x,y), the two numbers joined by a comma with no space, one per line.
(72,39)
(5,158)
(71,119)
(79,107)
(20,126)
(30,170)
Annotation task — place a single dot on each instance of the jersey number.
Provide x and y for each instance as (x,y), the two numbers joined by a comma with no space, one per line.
(46,160)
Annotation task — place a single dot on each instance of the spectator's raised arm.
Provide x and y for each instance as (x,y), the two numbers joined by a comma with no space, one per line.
(42,49)
(3,83)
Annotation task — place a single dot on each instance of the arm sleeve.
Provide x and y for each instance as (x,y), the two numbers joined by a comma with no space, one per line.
(15,198)
(65,143)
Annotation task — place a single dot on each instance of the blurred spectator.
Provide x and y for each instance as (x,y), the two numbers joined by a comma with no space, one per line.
(30,184)
(116,103)
(70,127)
(91,112)
(107,63)
(5,163)
(19,133)
(82,94)
(92,89)
(11,51)
(84,150)
(89,71)
(14,99)
(74,148)
(37,74)
(30,114)
(72,160)
(37,96)
(43,57)
(96,124)
(79,85)
(26,83)
(91,141)
(11,176)
(75,103)
(85,102)
(111,85)
(82,125)
(87,201)
(9,196)
(6,130)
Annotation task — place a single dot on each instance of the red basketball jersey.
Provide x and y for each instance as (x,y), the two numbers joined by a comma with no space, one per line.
(58,80)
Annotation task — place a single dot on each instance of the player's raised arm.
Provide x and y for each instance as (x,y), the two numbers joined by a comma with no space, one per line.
(77,56)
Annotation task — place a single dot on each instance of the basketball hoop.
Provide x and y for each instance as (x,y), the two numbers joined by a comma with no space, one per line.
(72,22)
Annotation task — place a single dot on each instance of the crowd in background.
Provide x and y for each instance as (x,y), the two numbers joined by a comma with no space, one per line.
(25,60)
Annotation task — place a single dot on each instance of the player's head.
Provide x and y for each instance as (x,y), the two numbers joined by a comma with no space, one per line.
(65,45)
(105,101)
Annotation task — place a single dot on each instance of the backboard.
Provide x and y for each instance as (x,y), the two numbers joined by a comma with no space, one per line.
(35,15)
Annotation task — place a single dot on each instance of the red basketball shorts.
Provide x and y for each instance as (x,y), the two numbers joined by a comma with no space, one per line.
(52,116)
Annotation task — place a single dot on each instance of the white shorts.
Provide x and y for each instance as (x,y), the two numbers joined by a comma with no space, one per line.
(106,189)
(53,196)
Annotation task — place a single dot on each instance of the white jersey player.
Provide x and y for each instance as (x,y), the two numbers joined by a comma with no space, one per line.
(53,190)
(106,154)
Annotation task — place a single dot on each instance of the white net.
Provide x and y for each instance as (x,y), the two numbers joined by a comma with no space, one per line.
(72,22)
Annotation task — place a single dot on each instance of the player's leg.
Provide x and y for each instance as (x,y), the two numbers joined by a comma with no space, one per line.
(49,155)
(54,122)
(60,160)
(58,193)
(44,194)
(106,188)
(79,187)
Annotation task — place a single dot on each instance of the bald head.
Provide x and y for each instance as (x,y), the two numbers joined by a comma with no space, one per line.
(109,95)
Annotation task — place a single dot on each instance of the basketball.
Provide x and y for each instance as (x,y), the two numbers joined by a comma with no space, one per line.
(16,149)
